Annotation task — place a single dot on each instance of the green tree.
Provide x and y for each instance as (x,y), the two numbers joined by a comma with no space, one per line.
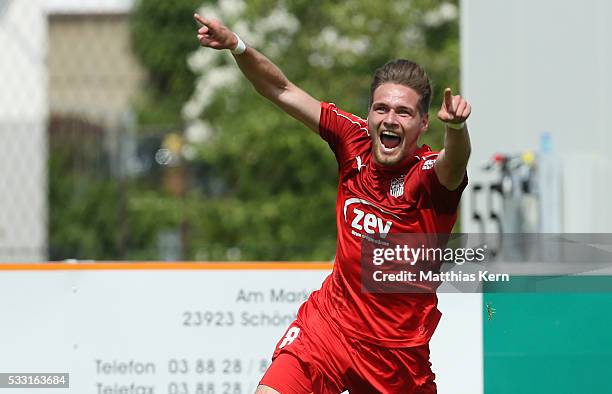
(98,210)
(161,38)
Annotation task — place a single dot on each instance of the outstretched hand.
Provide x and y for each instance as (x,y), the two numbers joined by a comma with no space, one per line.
(213,34)
(455,109)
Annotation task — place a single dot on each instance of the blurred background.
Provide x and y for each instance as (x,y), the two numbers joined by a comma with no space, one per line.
(123,140)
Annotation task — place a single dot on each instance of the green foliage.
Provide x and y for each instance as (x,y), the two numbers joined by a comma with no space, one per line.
(279,179)
(83,219)
(94,215)
(162,36)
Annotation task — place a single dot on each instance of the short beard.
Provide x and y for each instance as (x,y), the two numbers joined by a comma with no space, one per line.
(384,159)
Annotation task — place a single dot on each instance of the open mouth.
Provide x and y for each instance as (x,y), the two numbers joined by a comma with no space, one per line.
(390,140)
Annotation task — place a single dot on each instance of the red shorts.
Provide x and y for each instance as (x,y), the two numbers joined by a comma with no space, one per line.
(313,356)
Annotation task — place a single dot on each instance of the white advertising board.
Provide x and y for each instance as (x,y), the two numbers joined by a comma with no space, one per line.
(181,331)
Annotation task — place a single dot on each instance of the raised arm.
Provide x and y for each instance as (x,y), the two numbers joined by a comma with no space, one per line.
(267,79)
(452,160)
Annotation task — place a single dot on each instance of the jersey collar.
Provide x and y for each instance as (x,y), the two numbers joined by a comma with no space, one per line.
(402,167)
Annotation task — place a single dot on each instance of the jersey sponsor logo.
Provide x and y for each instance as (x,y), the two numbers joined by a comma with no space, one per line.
(368,222)
(290,336)
(359,165)
(428,164)
(397,187)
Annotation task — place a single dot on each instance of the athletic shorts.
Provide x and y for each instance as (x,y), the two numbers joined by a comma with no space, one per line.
(313,356)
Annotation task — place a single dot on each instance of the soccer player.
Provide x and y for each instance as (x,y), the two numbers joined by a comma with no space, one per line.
(343,338)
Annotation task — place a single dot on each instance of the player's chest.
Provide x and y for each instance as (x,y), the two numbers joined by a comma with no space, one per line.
(380,205)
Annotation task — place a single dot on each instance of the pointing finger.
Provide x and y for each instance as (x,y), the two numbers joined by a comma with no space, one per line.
(201,20)
(448,99)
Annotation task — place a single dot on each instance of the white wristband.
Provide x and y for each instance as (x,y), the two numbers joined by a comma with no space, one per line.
(240,47)
(455,126)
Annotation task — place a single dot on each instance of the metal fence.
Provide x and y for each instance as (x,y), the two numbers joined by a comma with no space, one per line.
(70,151)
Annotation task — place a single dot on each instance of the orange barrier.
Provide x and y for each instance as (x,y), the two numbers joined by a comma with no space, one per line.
(158,265)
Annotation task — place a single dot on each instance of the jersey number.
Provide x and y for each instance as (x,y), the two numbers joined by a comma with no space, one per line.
(290,336)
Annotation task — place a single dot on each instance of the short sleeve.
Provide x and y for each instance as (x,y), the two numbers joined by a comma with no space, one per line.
(444,200)
(343,131)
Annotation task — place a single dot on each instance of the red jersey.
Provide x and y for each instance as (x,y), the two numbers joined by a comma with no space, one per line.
(374,199)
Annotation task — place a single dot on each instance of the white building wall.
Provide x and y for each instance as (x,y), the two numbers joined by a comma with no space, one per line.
(530,67)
